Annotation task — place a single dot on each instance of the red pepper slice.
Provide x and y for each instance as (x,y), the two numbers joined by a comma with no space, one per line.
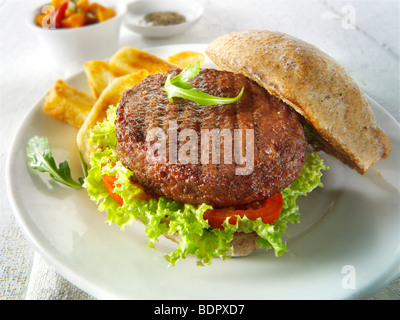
(60,13)
(269,212)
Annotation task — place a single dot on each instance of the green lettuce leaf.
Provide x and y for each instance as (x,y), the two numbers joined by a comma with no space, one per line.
(179,87)
(197,238)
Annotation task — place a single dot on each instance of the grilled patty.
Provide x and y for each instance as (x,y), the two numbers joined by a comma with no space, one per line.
(185,170)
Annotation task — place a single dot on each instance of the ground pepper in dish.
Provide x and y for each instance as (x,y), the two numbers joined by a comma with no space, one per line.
(164,18)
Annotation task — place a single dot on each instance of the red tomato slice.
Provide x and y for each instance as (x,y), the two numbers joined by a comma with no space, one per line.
(109,183)
(269,212)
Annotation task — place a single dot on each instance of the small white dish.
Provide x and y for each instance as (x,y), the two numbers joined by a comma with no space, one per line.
(78,45)
(134,18)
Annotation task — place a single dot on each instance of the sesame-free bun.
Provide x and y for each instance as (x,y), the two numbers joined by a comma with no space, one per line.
(314,84)
(243,244)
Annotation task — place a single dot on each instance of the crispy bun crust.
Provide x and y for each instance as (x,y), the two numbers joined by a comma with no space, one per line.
(314,84)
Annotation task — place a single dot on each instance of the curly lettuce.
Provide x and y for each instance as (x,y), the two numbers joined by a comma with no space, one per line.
(196,236)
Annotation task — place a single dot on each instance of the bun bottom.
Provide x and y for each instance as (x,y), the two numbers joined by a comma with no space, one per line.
(243,244)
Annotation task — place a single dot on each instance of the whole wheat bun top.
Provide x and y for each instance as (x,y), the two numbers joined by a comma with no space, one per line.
(314,84)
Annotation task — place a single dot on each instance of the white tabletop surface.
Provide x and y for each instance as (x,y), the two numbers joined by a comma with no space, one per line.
(362,35)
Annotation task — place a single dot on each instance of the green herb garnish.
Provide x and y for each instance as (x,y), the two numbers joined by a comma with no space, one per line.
(179,87)
(41,159)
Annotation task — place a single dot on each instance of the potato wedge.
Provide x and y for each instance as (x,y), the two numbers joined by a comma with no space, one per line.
(99,75)
(129,60)
(68,104)
(185,58)
(110,96)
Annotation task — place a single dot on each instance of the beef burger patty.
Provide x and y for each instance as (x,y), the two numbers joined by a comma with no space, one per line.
(277,151)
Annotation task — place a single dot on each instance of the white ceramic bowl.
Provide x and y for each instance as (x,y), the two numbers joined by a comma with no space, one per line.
(78,45)
(134,18)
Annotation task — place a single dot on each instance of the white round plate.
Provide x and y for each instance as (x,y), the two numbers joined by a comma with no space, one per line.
(134,17)
(347,245)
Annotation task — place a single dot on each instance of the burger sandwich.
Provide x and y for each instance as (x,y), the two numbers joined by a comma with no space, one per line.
(214,159)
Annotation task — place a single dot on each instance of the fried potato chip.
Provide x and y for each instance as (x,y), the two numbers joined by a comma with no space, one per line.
(185,58)
(128,60)
(99,75)
(68,104)
(110,96)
